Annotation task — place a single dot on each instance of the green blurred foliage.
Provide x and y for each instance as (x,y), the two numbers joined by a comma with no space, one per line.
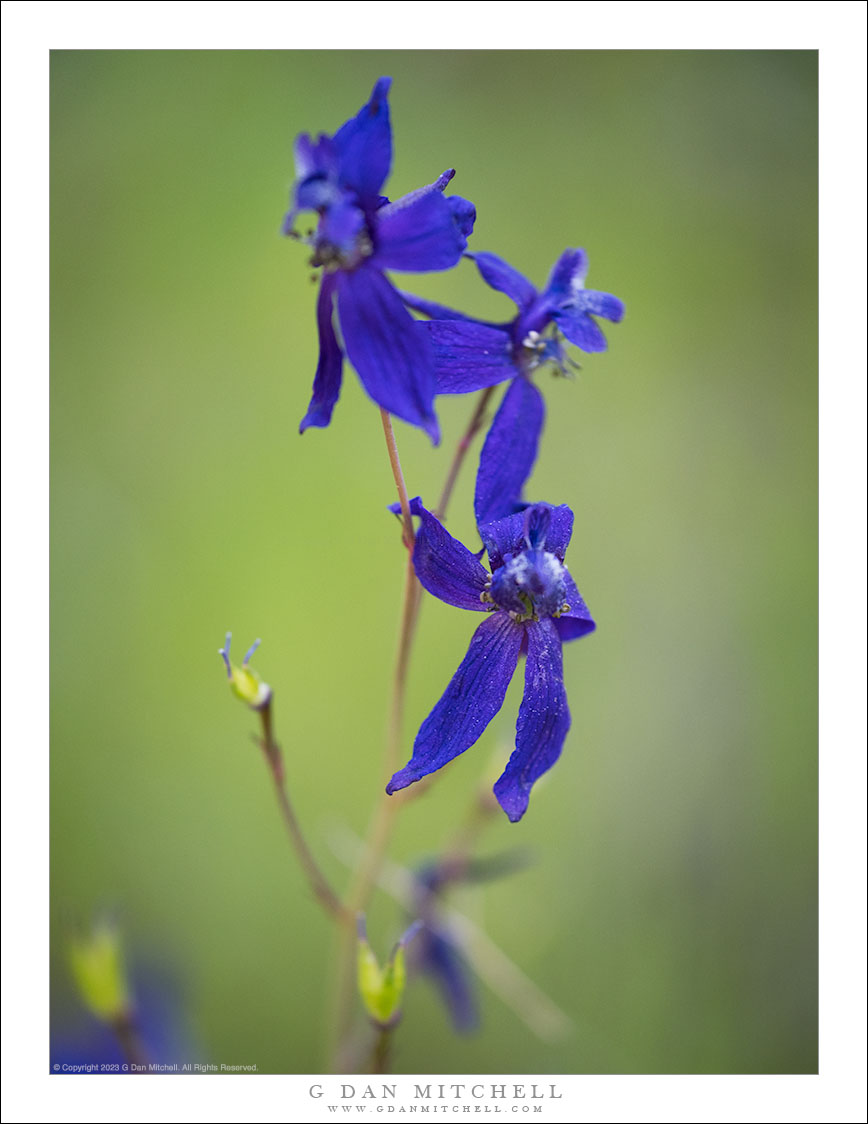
(671,909)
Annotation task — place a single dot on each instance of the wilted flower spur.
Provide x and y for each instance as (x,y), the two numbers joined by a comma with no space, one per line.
(472,354)
(533,605)
(359,234)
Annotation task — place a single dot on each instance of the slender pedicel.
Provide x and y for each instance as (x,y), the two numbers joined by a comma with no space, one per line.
(249,687)
(387,808)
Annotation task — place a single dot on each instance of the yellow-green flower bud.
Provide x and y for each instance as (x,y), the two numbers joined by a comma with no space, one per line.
(382,989)
(98,969)
(244,681)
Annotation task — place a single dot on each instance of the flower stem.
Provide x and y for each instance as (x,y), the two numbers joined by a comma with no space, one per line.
(127,1034)
(318,881)
(380,829)
(395,462)
(382,823)
(382,1050)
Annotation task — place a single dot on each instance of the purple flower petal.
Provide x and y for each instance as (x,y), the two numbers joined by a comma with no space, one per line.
(438,957)
(314,157)
(500,275)
(327,381)
(467,356)
(508,535)
(543,719)
(600,304)
(341,225)
(580,329)
(364,145)
(578,621)
(444,566)
(392,359)
(418,233)
(316,186)
(569,273)
(463,212)
(559,530)
(509,451)
(569,303)
(431,308)
(537,520)
(502,537)
(316,169)
(473,697)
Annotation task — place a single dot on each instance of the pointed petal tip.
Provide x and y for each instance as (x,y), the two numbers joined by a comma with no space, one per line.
(513,802)
(381,87)
(616,309)
(444,178)
(500,275)
(402,779)
(312,421)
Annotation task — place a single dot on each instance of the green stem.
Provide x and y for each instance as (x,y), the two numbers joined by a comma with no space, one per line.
(383,821)
(127,1034)
(318,881)
(395,462)
(382,1050)
(379,834)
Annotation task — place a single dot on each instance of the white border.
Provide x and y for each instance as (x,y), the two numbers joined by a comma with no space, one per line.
(838,31)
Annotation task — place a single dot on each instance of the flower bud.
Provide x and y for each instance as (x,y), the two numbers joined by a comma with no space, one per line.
(98,969)
(244,681)
(382,989)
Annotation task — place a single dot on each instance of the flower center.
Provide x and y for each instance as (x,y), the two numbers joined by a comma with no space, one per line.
(534,350)
(347,255)
(530,586)
(342,239)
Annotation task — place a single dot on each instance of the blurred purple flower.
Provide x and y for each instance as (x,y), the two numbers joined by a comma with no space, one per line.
(158,1018)
(359,235)
(534,605)
(437,952)
(471,354)
(437,956)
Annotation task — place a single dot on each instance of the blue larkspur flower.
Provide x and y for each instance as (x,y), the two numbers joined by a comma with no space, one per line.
(533,605)
(438,952)
(359,235)
(472,354)
(438,957)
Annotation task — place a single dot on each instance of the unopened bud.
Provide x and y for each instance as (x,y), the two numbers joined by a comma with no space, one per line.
(382,989)
(244,681)
(98,969)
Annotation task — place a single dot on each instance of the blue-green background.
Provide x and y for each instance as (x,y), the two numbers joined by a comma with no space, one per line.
(671,906)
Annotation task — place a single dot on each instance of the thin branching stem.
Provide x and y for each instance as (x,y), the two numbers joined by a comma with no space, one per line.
(382,1050)
(387,808)
(319,884)
(395,462)
(127,1033)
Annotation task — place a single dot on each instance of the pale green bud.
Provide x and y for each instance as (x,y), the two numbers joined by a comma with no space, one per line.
(98,970)
(382,989)
(244,681)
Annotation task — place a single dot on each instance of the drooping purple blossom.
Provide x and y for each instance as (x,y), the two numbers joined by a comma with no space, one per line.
(533,605)
(359,235)
(438,953)
(473,354)
(438,957)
